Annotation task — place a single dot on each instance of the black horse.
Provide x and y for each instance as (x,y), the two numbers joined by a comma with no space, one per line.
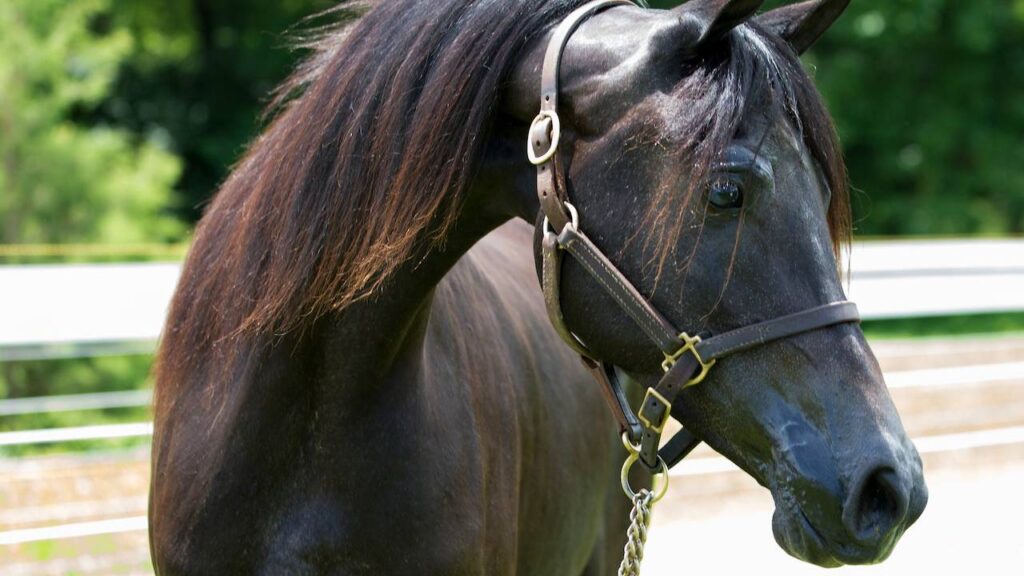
(358,376)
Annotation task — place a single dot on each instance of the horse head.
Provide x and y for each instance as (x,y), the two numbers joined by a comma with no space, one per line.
(700,158)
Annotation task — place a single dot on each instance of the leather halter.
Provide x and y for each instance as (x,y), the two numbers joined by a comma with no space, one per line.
(688,359)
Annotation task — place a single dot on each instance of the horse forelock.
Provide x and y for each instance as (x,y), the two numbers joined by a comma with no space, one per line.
(721,85)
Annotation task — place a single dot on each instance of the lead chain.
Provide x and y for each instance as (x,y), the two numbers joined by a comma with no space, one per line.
(636,535)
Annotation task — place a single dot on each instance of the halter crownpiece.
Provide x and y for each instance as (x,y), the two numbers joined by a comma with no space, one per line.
(688,359)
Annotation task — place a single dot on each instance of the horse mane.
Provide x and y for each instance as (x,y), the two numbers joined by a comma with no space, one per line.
(368,153)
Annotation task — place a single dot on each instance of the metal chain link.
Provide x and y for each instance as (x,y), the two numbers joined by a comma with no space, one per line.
(636,535)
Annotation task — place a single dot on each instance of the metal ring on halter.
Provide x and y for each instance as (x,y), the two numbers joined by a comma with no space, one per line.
(573,214)
(659,491)
(630,446)
(556,136)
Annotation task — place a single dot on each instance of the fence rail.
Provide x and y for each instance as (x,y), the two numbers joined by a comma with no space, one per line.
(49,311)
(73,402)
(76,434)
(921,378)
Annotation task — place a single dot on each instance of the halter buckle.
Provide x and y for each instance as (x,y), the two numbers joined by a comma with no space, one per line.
(689,345)
(556,136)
(653,396)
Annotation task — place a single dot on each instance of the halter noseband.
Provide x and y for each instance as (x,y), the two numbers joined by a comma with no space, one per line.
(688,359)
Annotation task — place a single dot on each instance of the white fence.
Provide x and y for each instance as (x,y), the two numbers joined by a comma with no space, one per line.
(49,311)
(908,278)
(90,309)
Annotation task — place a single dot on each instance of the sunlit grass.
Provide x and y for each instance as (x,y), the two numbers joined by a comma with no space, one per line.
(976,325)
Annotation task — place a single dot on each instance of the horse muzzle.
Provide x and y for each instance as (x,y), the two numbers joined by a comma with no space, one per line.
(857,517)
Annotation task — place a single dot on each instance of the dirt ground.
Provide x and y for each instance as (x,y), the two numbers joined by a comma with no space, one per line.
(714,521)
(972,527)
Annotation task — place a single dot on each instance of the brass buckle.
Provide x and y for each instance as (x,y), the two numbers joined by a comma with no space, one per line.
(653,394)
(556,136)
(689,345)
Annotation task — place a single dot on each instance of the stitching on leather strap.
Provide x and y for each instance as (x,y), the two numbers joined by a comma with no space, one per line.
(794,324)
(587,257)
(550,275)
(641,314)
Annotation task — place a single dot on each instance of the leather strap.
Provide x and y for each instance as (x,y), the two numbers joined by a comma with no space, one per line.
(615,397)
(551,275)
(657,328)
(761,333)
(678,447)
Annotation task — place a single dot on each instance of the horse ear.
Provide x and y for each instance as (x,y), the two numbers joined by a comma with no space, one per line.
(698,22)
(802,24)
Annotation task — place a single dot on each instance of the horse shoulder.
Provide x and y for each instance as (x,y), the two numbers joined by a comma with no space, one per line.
(531,405)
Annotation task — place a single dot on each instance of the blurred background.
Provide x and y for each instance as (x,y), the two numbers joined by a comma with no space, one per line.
(118,118)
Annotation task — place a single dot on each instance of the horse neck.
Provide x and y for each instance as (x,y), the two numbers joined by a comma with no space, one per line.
(380,332)
(373,336)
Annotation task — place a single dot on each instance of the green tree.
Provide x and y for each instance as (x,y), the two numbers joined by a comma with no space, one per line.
(927,95)
(62,180)
(200,76)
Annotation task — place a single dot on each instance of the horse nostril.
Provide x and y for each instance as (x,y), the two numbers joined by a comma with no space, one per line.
(878,508)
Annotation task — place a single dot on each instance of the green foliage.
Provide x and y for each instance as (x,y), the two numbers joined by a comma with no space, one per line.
(73,376)
(62,181)
(200,77)
(973,326)
(927,97)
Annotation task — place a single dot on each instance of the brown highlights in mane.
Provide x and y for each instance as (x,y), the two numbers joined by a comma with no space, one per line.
(366,160)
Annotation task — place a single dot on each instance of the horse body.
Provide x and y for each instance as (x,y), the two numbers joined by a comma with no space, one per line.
(470,460)
(351,382)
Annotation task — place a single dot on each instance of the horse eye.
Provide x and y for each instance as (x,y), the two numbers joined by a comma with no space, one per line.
(725,195)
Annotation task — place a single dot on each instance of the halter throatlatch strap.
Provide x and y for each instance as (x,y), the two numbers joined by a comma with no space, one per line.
(688,359)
